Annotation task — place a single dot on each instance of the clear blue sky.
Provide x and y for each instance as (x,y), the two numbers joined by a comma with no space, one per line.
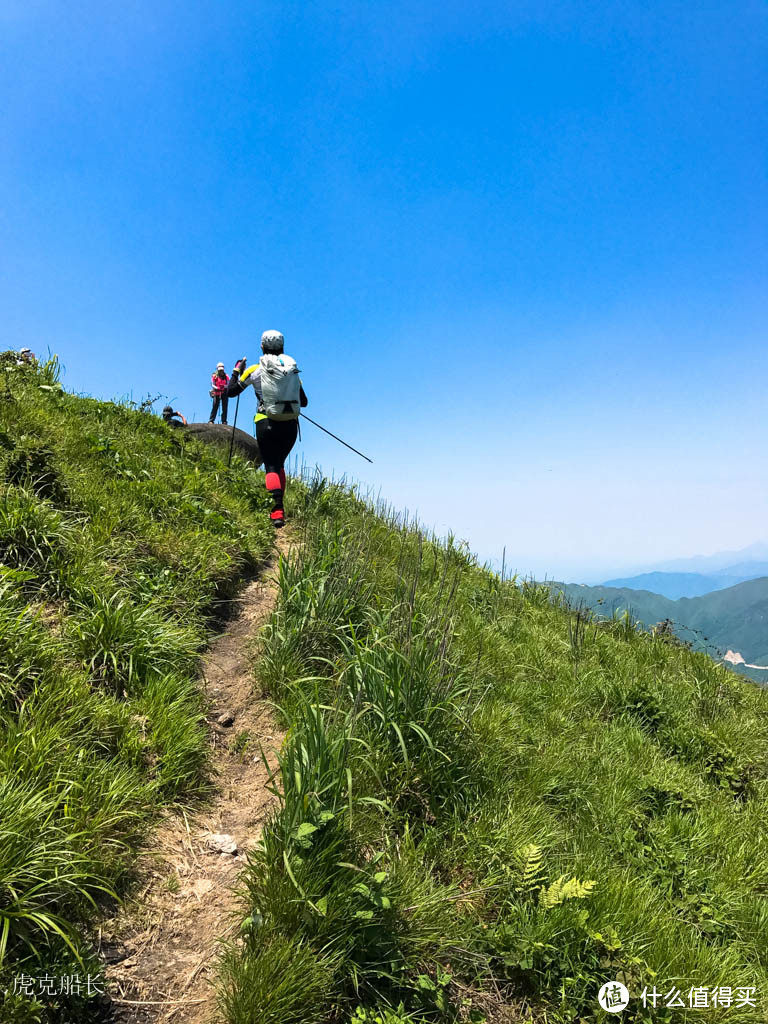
(518,249)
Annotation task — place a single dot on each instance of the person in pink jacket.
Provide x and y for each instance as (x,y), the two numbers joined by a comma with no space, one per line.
(219,385)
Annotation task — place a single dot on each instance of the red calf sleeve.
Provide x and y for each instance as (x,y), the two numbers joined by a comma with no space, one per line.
(272,481)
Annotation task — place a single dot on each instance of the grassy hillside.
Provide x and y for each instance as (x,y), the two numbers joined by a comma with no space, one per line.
(118,543)
(489,802)
(736,617)
(487,805)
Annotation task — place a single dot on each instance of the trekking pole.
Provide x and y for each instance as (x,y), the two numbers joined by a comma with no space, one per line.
(232,439)
(339,439)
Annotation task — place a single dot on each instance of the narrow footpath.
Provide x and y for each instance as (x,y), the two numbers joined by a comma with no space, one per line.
(160,952)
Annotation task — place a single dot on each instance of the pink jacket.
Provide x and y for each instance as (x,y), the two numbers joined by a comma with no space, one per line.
(219,383)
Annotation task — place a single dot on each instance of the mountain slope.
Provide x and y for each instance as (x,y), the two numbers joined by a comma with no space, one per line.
(487,806)
(489,802)
(747,570)
(119,544)
(736,617)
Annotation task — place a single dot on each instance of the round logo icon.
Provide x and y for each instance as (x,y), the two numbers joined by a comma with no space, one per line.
(613,996)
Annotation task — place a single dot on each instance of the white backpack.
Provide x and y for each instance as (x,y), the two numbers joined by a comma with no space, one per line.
(280,387)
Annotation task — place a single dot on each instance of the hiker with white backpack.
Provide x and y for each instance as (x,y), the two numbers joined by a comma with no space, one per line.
(280,396)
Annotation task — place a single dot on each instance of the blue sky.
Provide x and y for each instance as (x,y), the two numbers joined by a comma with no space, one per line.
(519,250)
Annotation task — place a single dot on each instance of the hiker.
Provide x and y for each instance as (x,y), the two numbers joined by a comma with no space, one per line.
(26,355)
(280,396)
(219,385)
(170,414)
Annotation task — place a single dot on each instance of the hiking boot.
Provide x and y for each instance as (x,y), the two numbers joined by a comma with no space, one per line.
(277,523)
(224,423)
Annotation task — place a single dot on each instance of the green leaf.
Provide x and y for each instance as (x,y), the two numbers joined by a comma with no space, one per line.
(304,832)
(16,575)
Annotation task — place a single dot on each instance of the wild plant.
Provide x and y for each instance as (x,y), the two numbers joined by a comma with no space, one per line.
(120,642)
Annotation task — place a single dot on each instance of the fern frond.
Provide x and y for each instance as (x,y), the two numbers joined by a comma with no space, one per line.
(530,868)
(564,888)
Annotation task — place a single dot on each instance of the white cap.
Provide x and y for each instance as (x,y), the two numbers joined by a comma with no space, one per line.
(219,366)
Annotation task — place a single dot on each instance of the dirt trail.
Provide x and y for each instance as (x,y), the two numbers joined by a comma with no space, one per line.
(160,952)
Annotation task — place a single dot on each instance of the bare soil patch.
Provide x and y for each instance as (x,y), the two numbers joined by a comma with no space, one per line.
(160,951)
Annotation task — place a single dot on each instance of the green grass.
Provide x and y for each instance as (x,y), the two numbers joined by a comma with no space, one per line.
(120,545)
(484,799)
(485,795)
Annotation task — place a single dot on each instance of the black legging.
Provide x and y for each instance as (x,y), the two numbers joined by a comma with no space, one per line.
(276,439)
(224,399)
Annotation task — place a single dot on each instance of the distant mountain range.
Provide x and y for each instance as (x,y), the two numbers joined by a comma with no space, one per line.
(691,584)
(757,552)
(743,562)
(731,618)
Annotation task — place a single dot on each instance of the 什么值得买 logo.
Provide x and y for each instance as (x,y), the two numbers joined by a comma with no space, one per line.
(613,996)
